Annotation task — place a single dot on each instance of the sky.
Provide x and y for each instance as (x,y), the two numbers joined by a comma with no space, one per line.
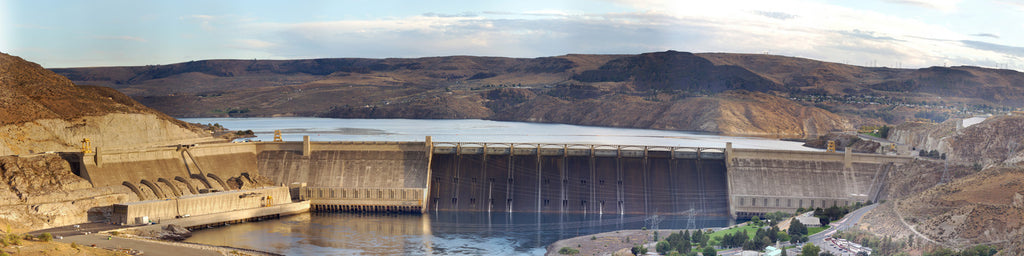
(889,33)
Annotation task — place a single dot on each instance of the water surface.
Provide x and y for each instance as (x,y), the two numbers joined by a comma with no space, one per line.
(442,233)
(473,130)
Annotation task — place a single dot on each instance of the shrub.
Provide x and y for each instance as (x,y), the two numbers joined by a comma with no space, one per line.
(663,247)
(15,239)
(45,237)
(567,250)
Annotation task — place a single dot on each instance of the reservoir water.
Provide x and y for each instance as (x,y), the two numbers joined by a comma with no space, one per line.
(474,130)
(449,233)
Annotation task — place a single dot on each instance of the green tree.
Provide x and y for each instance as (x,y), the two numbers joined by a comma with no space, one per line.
(683,246)
(709,251)
(797,228)
(756,221)
(663,247)
(810,250)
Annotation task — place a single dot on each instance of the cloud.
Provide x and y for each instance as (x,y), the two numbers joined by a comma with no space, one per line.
(868,35)
(942,5)
(205,21)
(122,38)
(252,44)
(445,15)
(776,15)
(986,35)
(1004,49)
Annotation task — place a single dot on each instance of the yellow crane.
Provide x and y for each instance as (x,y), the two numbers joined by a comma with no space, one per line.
(86,146)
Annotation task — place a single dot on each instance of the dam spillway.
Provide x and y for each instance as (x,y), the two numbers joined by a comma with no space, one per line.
(592,179)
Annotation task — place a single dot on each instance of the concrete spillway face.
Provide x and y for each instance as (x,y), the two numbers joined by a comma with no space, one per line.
(585,183)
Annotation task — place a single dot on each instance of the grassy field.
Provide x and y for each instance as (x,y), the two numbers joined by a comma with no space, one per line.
(815,230)
(751,230)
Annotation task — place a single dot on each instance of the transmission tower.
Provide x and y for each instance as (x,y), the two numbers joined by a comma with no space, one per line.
(653,221)
(691,222)
(946,178)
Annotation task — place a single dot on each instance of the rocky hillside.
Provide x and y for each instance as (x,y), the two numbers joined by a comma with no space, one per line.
(982,201)
(997,140)
(42,191)
(41,111)
(496,88)
(987,207)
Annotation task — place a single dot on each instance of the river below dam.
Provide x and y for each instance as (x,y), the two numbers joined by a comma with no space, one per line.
(445,232)
(441,233)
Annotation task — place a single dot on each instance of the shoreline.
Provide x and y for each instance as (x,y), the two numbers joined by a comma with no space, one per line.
(598,244)
(143,237)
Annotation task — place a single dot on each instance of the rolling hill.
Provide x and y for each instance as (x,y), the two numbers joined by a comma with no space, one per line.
(713,92)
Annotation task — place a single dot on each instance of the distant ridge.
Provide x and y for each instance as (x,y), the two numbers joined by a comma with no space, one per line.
(546,89)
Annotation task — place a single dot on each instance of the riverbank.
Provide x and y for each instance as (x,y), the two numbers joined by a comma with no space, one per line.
(142,239)
(617,242)
(607,243)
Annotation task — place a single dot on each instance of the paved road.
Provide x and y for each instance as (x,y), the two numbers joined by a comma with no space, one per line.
(81,229)
(845,223)
(148,248)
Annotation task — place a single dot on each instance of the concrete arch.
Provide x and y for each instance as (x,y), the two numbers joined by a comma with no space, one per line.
(174,189)
(159,193)
(219,181)
(191,189)
(202,179)
(134,189)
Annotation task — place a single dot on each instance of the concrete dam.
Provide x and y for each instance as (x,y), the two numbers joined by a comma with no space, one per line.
(505,177)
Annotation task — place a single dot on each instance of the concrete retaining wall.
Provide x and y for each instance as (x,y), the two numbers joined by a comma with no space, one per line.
(194,205)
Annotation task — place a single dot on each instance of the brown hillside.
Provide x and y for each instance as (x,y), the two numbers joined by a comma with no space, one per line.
(413,88)
(42,111)
(30,92)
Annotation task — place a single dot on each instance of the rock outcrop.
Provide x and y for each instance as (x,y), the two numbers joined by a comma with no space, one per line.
(42,191)
(174,232)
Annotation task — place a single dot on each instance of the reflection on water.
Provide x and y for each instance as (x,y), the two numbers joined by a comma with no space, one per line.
(459,233)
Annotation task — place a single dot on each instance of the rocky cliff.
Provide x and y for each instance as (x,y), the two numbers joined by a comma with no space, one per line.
(41,111)
(42,191)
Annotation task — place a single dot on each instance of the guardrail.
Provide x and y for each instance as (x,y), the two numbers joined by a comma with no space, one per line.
(590,150)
